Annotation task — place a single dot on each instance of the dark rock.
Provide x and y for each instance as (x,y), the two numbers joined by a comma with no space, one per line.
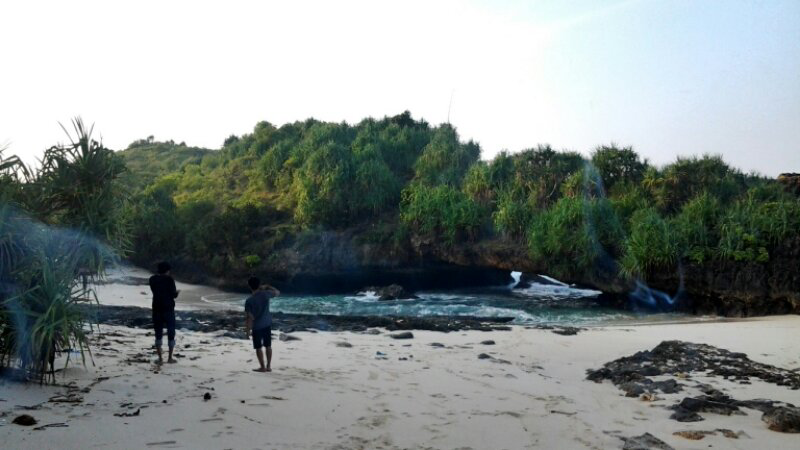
(235,334)
(344,344)
(566,331)
(487,342)
(644,442)
(288,337)
(709,404)
(761,404)
(24,420)
(632,389)
(791,182)
(207,396)
(784,419)
(392,292)
(436,344)
(484,356)
(684,415)
(231,321)
(671,357)
(402,335)
(528,279)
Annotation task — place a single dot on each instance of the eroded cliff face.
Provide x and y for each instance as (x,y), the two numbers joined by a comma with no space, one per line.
(739,289)
(342,261)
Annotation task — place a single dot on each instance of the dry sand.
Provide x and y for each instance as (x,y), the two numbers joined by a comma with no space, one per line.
(324,395)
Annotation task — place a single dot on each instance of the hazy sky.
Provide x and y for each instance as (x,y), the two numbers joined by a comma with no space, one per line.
(667,77)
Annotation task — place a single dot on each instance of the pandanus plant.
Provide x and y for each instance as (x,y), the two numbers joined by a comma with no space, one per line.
(59,236)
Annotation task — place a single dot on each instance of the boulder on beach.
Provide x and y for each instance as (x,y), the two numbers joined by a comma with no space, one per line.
(783,418)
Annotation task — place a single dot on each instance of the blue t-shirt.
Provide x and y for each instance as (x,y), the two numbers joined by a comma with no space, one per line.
(257,305)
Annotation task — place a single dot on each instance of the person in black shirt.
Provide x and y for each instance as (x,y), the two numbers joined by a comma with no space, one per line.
(164,295)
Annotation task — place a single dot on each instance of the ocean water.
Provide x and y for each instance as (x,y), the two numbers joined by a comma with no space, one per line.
(555,303)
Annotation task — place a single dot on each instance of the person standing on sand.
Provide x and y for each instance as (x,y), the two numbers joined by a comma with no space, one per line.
(259,320)
(164,295)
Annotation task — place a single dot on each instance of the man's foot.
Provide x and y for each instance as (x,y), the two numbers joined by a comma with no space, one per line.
(158,362)
(269,369)
(172,360)
(261,369)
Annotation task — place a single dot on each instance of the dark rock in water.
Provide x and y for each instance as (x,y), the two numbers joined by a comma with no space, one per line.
(783,419)
(436,344)
(391,292)
(485,356)
(24,420)
(644,442)
(528,279)
(288,337)
(487,342)
(207,396)
(373,331)
(402,335)
(344,344)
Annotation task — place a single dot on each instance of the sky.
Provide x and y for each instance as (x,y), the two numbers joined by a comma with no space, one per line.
(667,77)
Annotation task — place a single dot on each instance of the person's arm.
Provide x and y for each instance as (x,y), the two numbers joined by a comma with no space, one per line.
(175,291)
(248,324)
(271,290)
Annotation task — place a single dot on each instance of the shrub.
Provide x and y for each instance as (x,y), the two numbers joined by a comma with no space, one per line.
(650,245)
(440,210)
(574,235)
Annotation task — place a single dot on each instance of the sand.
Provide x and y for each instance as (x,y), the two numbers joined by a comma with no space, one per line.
(323,394)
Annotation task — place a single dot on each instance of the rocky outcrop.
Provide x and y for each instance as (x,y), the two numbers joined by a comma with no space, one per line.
(391,292)
(791,181)
(344,261)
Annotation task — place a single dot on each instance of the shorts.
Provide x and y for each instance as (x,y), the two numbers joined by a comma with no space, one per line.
(161,320)
(262,338)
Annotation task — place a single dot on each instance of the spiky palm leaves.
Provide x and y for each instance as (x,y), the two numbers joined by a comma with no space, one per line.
(76,186)
(73,212)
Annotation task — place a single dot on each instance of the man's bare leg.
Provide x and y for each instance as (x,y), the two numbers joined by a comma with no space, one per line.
(160,359)
(171,360)
(260,355)
(269,359)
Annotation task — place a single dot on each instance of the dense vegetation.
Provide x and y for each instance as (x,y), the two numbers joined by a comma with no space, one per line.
(230,209)
(392,182)
(61,224)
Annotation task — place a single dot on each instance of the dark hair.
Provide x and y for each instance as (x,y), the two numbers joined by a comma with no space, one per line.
(254,283)
(164,267)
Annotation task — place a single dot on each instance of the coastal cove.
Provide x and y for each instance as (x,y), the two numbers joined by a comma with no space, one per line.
(513,388)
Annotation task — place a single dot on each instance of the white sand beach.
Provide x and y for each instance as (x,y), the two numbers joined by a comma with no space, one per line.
(338,390)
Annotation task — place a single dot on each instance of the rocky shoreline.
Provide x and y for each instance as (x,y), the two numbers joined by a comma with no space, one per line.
(677,363)
(233,321)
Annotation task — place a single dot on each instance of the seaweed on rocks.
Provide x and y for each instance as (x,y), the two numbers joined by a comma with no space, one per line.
(672,357)
(230,321)
(632,374)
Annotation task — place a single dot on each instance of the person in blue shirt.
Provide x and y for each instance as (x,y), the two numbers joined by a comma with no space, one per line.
(259,320)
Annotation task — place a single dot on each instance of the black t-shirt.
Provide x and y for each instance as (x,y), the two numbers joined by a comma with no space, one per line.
(164,292)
